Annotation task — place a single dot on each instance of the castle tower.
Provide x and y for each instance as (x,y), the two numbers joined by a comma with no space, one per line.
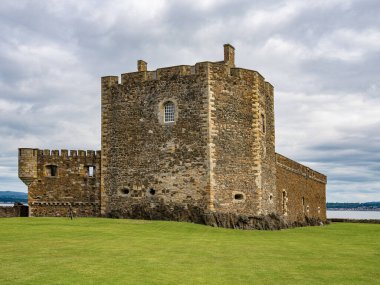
(198,135)
(189,143)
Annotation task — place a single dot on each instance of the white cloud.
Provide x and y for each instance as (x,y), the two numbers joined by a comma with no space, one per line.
(348,44)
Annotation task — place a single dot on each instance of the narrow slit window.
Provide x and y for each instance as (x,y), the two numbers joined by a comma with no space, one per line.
(169,109)
(90,171)
(263,123)
(284,202)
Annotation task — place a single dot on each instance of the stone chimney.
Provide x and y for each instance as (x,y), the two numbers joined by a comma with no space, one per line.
(229,55)
(142,65)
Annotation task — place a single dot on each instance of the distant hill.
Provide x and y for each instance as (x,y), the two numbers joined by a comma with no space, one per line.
(354,206)
(11,197)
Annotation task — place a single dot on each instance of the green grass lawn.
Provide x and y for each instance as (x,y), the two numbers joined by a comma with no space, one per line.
(106,251)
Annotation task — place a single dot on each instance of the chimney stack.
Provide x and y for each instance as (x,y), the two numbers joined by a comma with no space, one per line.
(142,65)
(229,55)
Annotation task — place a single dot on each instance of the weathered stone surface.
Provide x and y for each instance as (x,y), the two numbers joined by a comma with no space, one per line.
(189,213)
(212,162)
(18,210)
(303,190)
(70,187)
(7,212)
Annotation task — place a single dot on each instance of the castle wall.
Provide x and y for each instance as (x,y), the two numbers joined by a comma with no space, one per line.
(271,200)
(303,190)
(17,210)
(70,189)
(144,159)
(244,161)
(214,162)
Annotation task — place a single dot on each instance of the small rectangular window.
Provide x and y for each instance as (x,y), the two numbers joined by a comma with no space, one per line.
(51,170)
(90,171)
(169,112)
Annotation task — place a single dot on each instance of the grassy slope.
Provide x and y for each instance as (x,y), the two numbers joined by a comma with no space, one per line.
(104,251)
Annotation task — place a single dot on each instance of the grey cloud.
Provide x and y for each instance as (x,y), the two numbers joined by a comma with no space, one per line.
(321,57)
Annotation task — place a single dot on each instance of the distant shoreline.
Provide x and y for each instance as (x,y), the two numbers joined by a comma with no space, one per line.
(353,209)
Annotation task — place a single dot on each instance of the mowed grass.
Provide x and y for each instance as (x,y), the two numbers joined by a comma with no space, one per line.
(106,251)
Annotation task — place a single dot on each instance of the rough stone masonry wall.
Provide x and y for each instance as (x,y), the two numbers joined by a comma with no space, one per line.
(149,162)
(17,210)
(243,153)
(72,190)
(8,212)
(303,190)
(271,200)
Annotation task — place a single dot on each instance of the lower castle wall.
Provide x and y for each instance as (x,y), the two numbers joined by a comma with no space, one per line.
(7,212)
(59,209)
(302,190)
(70,188)
(15,211)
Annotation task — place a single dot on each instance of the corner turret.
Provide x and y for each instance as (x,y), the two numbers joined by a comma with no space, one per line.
(27,165)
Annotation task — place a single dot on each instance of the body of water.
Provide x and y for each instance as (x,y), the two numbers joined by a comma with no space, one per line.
(3,204)
(358,215)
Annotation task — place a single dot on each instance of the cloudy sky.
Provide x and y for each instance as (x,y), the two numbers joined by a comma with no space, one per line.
(323,57)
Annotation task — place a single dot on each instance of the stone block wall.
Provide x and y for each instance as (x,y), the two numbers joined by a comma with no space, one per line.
(302,190)
(61,183)
(242,126)
(8,212)
(144,159)
(17,210)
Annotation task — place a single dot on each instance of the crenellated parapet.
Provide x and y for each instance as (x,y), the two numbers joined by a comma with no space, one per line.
(217,69)
(64,153)
(32,161)
(225,68)
(60,181)
(167,73)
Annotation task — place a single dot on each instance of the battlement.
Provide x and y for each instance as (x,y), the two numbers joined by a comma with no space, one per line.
(173,72)
(64,153)
(166,73)
(223,68)
(298,168)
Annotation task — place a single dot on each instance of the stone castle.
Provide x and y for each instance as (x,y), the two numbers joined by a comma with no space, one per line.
(188,143)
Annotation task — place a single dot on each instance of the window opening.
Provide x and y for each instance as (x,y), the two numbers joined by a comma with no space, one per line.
(263,123)
(239,197)
(90,171)
(303,204)
(125,191)
(51,170)
(169,109)
(284,203)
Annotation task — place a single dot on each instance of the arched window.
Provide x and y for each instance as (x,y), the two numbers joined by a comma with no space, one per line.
(169,109)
